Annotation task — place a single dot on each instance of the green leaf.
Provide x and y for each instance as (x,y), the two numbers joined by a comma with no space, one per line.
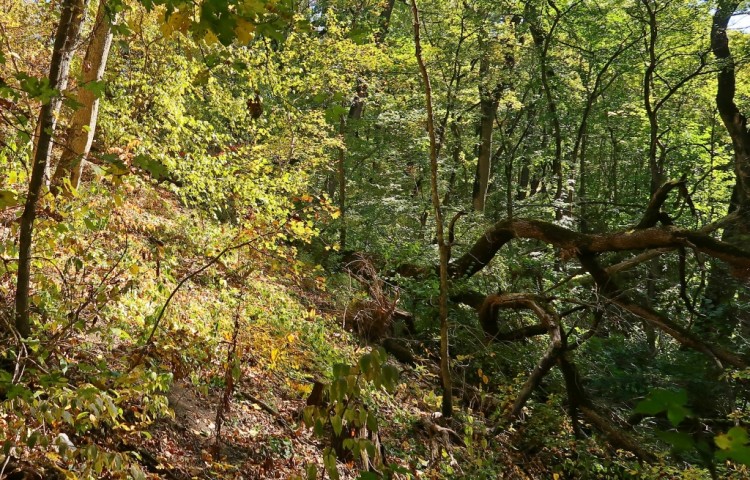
(201,78)
(372,422)
(340,370)
(733,445)
(679,441)
(677,413)
(311,471)
(650,406)
(390,377)
(334,113)
(349,444)
(739,455)
(365,364)
(136,473)
(735,437)
(32,440)
(154,167)
(8,198)
(17,391)
(670,401)
(319,428)
(339,389)
(95,87)
(37,87)
(336,424)
(368,476)
(329,460)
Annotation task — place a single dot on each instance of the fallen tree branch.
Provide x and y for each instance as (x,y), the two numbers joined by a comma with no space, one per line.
(611,291)
(543,367)
(572,243)
(614,435)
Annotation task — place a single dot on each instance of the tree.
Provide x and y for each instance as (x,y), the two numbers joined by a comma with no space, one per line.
(82,127)
(722,288)
(443,246)
(68,30)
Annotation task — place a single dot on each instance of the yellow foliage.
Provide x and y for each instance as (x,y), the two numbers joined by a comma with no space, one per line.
(177,22)
(245,31)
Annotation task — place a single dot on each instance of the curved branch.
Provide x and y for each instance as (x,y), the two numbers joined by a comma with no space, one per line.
(492,304)
(652,214)
(573,243)
(557,347)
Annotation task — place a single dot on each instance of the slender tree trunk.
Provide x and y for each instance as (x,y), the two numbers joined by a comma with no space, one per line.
(582,174)
(68,30)
(82,126)
(341,174)
(443,247)
(356,110)
(542,43)
(488,108)
(656,171)
(456,152)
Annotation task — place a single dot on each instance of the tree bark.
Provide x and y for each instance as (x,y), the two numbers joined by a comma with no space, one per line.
(720,318)
(68,30)
(80,133)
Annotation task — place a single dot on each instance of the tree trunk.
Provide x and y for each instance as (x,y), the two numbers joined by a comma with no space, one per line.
(443,247)
(542,43)
(488,108)
(721,319)
(68,30)
(82,126)
(384,21)
(341,174)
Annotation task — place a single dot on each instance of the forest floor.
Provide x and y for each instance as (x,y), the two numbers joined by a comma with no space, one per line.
(286,331)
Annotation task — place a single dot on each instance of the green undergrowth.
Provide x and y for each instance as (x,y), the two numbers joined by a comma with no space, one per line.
(87,388)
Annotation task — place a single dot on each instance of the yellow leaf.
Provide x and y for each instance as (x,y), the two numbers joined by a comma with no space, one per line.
(177,22)
(52,456)
(335,214)
(210,38)
(244,30)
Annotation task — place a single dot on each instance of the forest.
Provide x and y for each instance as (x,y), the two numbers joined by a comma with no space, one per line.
(374,239)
